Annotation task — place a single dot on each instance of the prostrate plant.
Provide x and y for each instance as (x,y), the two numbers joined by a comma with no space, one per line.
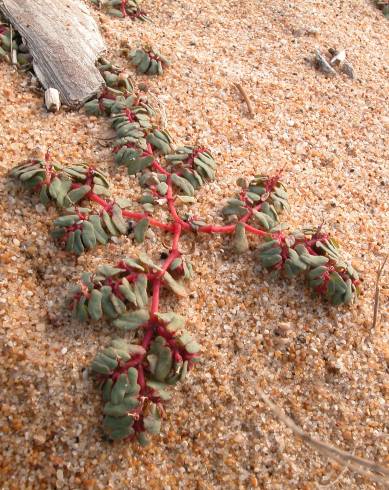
(122,8)
(135,376)
(148,61)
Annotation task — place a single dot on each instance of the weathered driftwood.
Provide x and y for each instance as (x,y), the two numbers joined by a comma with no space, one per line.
(52,101)
(64,41)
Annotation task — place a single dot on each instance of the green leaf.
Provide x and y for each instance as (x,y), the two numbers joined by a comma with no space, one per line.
(160,144)
(146,260)
(123,202)
(142,439)
(118,304)
(94,305)
(108,270)
(162,188)
(76,195)
(133,388)
(173,321)
(127,291)
(152,422)
(108,308)
(140,230)
(271,260)
(140,290)
(183,184)
(119,389)
(174,285)
(133,264)
(121,409)
(159,388)
(185,199)
(67,220)
(109,223)
(189,343)
(115,423)
(78,246)
(43,195)
(107,390)
(265,220)
(70,242)
(132,320)
(81,312)
(100,234)
(164,363)
(100,368)
(267,245)
(88,235)
(29,175)
(240,242)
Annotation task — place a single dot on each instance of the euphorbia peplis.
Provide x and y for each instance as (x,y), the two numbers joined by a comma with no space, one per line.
(135,376)
(122,8)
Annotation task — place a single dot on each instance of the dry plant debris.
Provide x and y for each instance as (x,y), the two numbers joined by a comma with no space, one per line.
(337,59)
(245,98)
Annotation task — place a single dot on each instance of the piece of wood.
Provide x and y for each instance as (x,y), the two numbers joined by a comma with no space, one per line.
(52,101)
(243,93)
(64,42)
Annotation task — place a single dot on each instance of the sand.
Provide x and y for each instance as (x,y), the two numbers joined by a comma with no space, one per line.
(325,366)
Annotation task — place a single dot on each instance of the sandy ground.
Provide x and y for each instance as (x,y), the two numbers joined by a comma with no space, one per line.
(329,371)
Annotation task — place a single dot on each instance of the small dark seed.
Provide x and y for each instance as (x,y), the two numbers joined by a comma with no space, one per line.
(143,87)
(130,227)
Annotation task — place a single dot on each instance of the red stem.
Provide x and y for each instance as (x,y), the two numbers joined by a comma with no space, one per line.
(152,221)
(156,281)
(155,299)
(123,8)
(103,203)
(172,209)
(157,166)
(216,229)
(184,226)
(255,231)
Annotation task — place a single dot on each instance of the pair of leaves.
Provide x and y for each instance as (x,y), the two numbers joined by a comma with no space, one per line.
(82,233)
(162,366)
(134,159)
(112,299)
(148,61)
(196,165)
(160,141)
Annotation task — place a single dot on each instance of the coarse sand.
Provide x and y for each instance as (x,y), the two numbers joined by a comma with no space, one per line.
(325,366)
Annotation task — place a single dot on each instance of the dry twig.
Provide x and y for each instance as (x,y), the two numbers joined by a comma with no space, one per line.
(161,109)
(360,465)
(245,97)
(377,292)
(330,483)
(11,41)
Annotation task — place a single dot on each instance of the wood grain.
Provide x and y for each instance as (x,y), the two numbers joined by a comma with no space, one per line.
(64,41)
